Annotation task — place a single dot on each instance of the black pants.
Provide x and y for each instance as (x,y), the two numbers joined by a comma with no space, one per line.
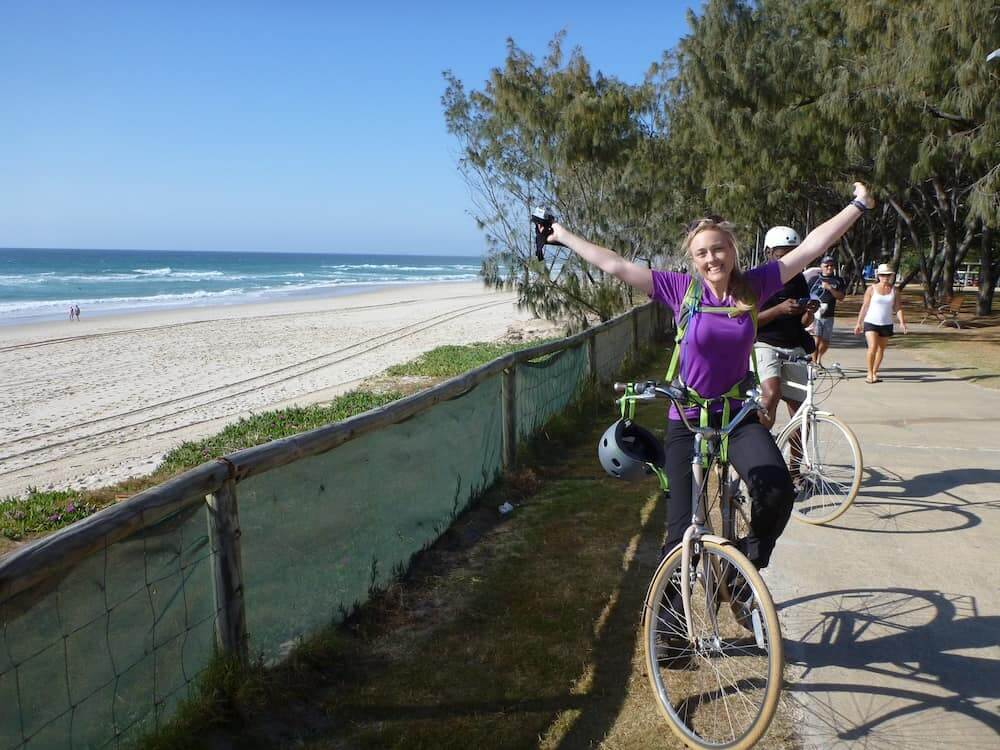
(754,455)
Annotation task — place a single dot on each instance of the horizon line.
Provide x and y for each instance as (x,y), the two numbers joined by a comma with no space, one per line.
(277,252)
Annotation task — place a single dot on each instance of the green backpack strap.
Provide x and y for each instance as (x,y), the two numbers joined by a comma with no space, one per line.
(689,306)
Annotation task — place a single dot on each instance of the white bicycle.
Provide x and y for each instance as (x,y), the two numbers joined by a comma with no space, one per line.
(822,453)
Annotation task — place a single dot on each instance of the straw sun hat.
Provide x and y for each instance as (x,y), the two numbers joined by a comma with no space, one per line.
(884,269)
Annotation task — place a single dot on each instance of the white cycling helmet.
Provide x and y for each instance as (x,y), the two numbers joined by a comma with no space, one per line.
(781,237)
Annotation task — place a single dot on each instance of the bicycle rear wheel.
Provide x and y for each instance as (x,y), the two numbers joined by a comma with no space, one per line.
(736,510)
(828,467)
(721,689)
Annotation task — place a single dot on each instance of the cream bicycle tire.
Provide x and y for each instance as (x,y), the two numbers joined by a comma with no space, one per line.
(687,702)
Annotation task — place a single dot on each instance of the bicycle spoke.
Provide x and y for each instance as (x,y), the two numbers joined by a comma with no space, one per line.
(827,466)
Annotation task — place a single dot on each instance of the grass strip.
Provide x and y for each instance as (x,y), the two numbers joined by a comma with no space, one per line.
(450,360)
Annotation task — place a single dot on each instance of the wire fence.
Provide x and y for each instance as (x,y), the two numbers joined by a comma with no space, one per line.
(107,624)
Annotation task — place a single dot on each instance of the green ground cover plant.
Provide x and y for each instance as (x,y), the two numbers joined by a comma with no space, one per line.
(450,360)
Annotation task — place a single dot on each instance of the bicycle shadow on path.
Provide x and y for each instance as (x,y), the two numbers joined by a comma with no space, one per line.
(929,503)
(913,657)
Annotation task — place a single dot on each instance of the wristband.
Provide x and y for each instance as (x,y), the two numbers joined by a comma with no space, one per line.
(860,205)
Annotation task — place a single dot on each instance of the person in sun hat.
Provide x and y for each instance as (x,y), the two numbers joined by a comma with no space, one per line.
(881,301)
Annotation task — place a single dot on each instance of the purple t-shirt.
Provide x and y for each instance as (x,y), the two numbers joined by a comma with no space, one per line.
(715,353)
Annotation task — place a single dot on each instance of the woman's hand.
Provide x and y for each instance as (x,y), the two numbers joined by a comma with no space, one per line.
(903,326)
(862,194)
(857,330)
(558,232)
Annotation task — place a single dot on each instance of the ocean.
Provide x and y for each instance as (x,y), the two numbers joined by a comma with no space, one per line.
(42,284)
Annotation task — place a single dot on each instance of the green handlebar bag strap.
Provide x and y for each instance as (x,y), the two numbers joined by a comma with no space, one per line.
(691,306)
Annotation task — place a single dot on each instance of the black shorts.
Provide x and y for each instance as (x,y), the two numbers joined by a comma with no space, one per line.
(884,331)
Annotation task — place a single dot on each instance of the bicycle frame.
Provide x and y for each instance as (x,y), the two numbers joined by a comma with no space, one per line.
(701,464)
(699,529)
(807,409)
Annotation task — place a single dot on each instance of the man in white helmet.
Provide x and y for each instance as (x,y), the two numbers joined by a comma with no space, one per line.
(781,328)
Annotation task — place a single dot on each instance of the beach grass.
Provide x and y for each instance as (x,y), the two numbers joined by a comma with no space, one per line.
(41,511)
(453,359)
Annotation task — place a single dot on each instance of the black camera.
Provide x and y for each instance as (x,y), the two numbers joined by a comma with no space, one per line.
(541,220)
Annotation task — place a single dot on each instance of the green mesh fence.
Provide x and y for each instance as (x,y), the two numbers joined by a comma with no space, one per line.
(105,652)
(646,322)
(318,533)
(612,347)
(546,387)
(96,656)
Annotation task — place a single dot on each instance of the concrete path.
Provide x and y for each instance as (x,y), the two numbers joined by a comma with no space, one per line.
(891,614)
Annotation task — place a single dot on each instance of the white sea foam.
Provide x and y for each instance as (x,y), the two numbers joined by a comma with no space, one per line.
(37,308)
(43,307)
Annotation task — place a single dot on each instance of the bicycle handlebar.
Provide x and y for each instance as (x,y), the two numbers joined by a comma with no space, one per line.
(805,359)
(651,390)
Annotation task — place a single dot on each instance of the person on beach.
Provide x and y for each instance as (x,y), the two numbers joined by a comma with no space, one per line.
(72,312)
(881,301)
(781,328)
(828,288)
(716,354)
(76,311)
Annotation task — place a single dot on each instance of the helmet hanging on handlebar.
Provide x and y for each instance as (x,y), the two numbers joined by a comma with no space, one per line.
(625,449)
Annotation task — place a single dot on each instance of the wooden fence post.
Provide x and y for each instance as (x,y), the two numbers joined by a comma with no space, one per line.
(224,530)
(508,387)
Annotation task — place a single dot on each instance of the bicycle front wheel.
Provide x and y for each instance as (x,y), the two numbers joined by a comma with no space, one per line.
(721,688)
(827,466)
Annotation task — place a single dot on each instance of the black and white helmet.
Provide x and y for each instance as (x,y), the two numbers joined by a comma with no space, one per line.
(625,448)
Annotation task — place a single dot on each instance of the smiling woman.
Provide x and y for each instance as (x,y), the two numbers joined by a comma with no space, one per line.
(715,355)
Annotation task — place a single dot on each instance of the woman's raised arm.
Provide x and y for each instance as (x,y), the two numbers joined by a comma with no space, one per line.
(608,261)
(825,235)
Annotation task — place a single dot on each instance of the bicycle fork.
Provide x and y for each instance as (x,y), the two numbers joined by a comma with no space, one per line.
(692,536)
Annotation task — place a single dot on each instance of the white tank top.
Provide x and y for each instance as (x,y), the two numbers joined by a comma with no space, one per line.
(880,308)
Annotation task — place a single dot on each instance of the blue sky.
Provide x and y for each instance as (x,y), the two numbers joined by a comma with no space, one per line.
(306,126)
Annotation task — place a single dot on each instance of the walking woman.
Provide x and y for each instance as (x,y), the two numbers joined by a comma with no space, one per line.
(881,301)
(715,356)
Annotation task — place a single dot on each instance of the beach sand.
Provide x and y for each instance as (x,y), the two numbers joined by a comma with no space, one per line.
(89,403)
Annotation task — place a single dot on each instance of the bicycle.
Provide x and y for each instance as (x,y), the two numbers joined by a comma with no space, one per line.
(716,671)
(822,453)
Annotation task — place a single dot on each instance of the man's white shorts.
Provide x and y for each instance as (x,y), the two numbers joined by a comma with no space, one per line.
(769,366)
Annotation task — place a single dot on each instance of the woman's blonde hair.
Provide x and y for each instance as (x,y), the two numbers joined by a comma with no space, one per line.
(743,296)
